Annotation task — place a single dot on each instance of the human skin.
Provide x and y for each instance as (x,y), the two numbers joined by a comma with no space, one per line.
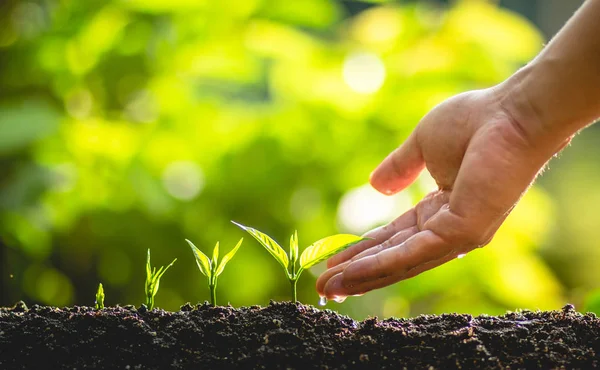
(484,149)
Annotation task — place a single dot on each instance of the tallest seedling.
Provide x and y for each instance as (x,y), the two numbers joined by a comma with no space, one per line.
(315,253)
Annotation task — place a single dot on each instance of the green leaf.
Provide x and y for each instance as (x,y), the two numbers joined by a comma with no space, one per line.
(228,257)
(154,284)
(294,248)
(327,247)
(148,267)
(153,280)
(164,269)
(271,245)
(201,260)
(215,256)
(158,274)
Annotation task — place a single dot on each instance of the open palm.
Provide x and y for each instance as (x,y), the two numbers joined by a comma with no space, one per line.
(482,160)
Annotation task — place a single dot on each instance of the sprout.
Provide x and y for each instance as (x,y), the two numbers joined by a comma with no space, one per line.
(211,268)
(100,297)
(153,280)
(315,253)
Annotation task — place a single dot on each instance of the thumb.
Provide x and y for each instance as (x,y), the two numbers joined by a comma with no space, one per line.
(400,168)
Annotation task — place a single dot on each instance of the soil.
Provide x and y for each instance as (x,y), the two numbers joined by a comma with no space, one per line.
(287,335)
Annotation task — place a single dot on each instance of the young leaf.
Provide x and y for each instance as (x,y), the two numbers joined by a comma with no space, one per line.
(100,297)
(228,257)
(294,248)
(148,267)
(153,280)
(327,247)
(202,260)
(163,269)
(215,256)
(270,245)
(158,274)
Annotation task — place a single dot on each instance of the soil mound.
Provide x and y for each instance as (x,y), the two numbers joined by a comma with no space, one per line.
(287,335)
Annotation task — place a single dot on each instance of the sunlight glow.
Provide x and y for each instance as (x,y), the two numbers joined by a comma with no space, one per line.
(183,180)
(364,208)
(364,73)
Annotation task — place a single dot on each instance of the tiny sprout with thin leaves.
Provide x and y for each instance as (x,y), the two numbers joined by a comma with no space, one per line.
(100,297)
(211,268)
(153,280)
(317,252)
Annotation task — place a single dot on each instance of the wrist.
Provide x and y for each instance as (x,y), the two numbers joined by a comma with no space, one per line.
(527,101)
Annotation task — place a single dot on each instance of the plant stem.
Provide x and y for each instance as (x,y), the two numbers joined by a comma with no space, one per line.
(150,302)
(213,294)
(294,293)
(293,276)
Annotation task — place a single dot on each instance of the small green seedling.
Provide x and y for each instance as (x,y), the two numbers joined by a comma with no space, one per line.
(100,297)
(315,253)
(211,268)
(153,280)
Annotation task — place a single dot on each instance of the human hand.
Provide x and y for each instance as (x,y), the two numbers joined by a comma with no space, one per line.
(483,161)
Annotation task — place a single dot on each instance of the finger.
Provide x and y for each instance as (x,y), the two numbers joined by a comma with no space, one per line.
(378,235)
(400,168)
(421,248)
(399,238)
(337,289)
(324,278)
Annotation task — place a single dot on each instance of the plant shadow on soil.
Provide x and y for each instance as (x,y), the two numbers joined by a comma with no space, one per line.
(287,335)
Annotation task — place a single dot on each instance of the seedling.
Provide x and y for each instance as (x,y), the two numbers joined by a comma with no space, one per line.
(211,268)
(315,253)
(153,280)
(100,297)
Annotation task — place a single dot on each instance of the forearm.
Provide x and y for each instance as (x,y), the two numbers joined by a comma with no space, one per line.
(558,93)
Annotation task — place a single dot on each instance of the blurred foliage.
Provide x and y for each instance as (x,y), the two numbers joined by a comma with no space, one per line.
(133,124)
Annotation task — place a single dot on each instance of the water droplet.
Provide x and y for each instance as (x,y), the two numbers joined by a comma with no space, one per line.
(339,299)
(322,301)
(461,255)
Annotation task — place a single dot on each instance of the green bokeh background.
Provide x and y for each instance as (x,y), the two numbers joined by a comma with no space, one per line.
(133,124)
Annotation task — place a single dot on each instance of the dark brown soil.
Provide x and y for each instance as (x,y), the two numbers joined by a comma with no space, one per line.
(286,335)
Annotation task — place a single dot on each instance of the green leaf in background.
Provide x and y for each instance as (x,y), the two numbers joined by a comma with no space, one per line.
(23,123)
(327,247)
(270,245)
(592,302)
(203,262)
(147,118)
